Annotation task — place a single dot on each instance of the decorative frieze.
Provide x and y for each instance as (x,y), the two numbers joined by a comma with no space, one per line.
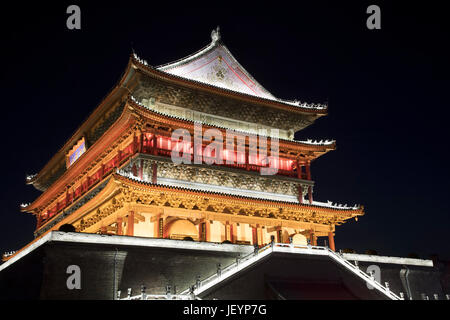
(215,207)
(222,177)
(220,106)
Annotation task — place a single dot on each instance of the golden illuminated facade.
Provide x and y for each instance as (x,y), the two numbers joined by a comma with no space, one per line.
(115,175)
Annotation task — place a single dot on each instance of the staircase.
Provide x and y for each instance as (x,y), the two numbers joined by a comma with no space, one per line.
(260,254)
(264,252)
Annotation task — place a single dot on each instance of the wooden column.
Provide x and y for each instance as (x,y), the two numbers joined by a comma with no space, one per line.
(119,226)
(279,235)
(228,231)
(308,170)
(154,173)
(66,200)
(299,169)
(38,220)
(312,238)
(135,143)
(130,224)
(260,235)
(300,194)
(155,145)
(233,232)
(155,220)
(202,231)
(141,169)
(257,235)
(331,240)
(141,142)
(308,177)
(247,158)
(254,236)
(208,230)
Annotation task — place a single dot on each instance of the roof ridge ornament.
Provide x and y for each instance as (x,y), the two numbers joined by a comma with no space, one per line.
(142,61)
(215,35)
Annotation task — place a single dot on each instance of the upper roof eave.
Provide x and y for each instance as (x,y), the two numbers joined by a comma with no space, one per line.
(125,120)
(78,132)
(327,145)
(142,65)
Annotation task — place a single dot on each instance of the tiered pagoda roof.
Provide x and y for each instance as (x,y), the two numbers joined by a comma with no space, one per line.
(211,75)
(232,82)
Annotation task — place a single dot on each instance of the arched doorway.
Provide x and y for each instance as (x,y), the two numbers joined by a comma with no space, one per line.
(299,239)
(182,229)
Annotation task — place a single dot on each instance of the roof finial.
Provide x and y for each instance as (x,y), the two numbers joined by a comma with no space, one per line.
(215,34)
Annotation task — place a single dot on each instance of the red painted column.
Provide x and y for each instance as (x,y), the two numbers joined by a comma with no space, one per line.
(234,236)
(135,143)
(300,193)
(331,241)
(66,200)
(204,231)
(299,169)
(140,142)
(247,158)
(155,145)
(279,235)
(308,170)
(39,219)
(154,173)
(208,230)
(119,226)
(130,224)
(254,235)
(260,236)
(103,230)
(312,238)
(201,231)
(308,177)
(141,169)
(227,231)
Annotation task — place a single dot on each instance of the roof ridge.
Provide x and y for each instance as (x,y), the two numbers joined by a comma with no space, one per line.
(215,42)
(290,103)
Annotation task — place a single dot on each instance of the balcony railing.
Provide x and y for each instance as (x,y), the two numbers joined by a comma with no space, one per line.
(122,156)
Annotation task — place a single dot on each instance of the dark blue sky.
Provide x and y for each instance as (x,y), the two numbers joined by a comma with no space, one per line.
(386,90)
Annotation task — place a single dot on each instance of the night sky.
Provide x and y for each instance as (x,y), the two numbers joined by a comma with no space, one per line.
(387,92)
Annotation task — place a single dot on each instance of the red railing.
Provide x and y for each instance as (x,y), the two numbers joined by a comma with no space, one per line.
(163,148)
(90,182)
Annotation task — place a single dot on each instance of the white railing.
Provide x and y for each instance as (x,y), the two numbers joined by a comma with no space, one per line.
(162,297)
(247,261)
(252,258)
(369,279)
(240,264)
